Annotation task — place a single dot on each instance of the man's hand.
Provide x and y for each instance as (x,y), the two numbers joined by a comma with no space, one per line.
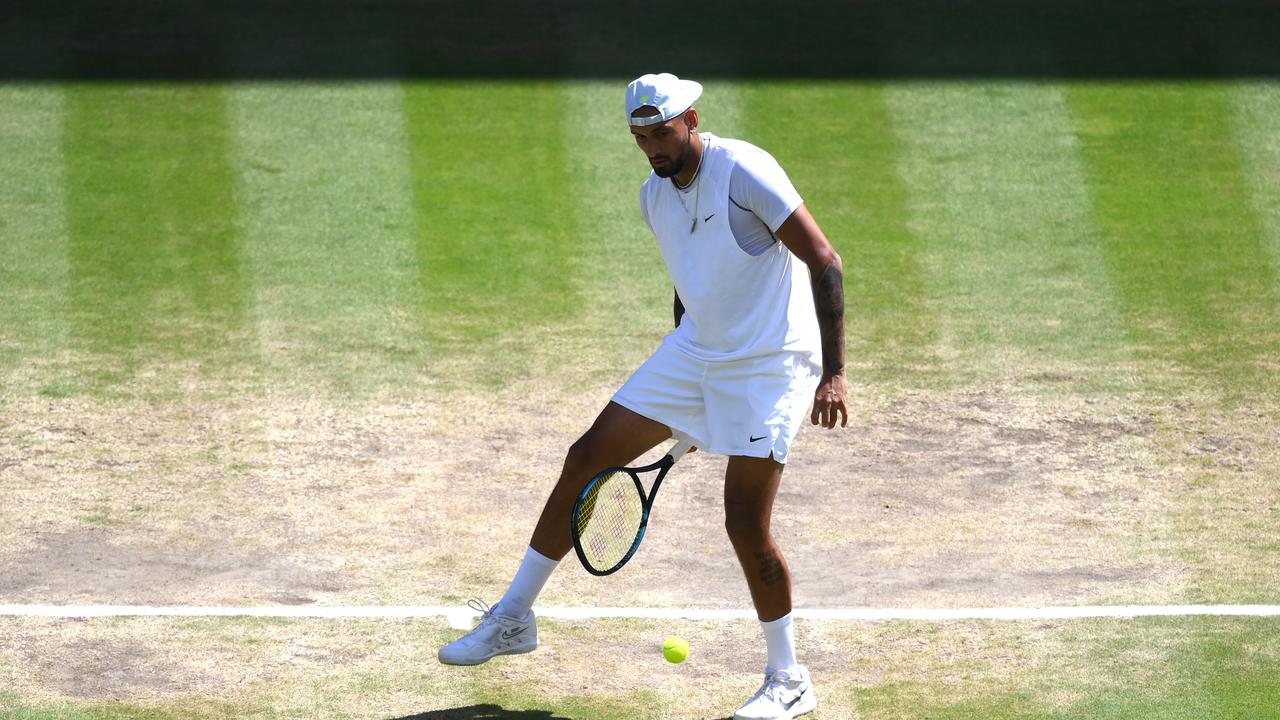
(829,401)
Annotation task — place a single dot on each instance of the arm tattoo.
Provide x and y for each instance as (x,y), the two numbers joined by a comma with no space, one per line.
(828,299)
(679,309)
(771,568)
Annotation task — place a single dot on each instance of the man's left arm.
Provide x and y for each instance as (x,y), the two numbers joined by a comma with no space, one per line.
(802,236)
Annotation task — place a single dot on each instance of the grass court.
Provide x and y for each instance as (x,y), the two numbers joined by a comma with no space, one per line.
(325,342)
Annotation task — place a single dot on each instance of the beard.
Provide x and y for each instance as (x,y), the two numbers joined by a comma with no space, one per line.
(679,163)
(672,169)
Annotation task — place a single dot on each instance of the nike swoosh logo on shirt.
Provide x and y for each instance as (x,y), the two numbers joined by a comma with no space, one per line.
(708,217)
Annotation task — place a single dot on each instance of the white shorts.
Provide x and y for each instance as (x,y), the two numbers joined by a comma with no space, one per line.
(751,407)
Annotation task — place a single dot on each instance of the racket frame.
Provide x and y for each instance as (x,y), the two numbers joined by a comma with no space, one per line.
(663,467)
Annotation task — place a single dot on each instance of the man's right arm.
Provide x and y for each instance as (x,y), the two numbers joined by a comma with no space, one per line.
(678,309)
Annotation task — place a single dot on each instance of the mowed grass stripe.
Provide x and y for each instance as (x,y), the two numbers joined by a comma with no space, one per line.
(34,271)
(1183,244)
(1229,457)
(1256,107)
(625,290)
(326,213)
(1013,269)
(723,109)
(154,255)
(837,144)
(498,244)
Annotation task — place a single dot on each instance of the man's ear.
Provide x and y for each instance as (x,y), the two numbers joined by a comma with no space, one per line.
(691,118)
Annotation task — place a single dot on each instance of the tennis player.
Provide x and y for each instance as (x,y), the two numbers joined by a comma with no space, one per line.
(759,340)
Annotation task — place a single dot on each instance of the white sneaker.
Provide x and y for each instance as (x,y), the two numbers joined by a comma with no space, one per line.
(495,635)
(784,695)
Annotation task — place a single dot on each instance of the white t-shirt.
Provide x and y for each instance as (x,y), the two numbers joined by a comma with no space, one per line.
(744,293)
(761,198)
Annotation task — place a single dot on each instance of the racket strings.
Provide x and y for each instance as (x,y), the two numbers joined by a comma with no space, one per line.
(609,520)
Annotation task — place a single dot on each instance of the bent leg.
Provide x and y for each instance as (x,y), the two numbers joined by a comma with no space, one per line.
(617,437)
(750,485)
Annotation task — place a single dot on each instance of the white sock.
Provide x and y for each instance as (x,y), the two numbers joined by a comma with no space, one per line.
(780,639)
(532,575)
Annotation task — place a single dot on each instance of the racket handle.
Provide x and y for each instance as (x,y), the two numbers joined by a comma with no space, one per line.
(679,449)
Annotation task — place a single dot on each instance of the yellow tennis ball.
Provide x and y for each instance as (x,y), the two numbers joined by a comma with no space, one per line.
(675,649)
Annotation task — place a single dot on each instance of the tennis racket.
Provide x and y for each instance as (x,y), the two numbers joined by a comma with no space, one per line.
(612,511)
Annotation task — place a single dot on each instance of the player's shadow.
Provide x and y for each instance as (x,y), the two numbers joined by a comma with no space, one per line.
(483,712)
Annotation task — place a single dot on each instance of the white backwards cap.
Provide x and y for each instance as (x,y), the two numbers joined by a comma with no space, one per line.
(664,91)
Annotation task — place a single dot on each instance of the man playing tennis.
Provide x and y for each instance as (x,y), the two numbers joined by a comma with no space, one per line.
(758,338)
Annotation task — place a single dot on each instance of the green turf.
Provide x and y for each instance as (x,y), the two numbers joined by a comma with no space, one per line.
(1023,230)
(1013,269)
(497,232)
(33,262)
(1257,129)
(844,161)
(1148,669)
(1255,106)
(154,256)
(326,220)
(1028,232)
(1185,249)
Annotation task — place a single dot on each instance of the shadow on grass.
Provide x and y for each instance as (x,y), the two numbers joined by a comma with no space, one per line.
(483,712)
(328,39)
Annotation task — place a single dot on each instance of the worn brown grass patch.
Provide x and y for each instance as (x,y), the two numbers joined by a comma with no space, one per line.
(930,498)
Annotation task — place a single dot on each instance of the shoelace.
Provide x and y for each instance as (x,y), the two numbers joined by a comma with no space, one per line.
(773,686)
(481,607)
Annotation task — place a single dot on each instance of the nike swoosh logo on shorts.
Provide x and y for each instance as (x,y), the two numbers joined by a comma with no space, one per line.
(758,439)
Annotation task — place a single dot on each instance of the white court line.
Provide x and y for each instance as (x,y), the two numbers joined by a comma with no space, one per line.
(461,617)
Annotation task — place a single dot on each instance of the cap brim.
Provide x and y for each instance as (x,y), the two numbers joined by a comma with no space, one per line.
(647,120)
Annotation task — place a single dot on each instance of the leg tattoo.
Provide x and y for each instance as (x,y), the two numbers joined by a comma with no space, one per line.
(771,569)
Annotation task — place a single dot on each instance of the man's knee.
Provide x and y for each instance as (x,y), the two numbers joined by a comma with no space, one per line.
(581,455)
(617,437)
(593,452)
(745,523)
